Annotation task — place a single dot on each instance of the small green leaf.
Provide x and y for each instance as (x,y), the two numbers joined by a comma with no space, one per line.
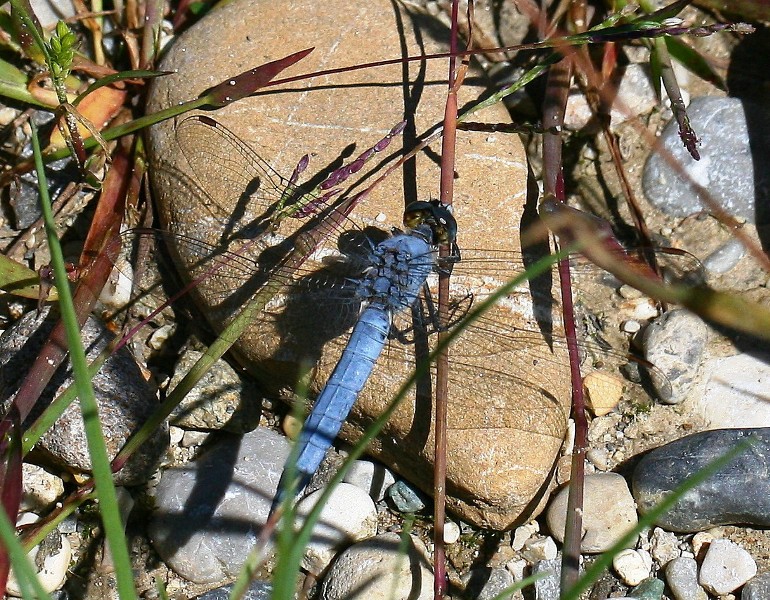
(19,280)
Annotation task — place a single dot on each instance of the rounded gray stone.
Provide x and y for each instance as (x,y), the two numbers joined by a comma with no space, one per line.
(758,588)
(124,398)
(682,579)
(675,344)
(209,512)
(733,164)
(739,493)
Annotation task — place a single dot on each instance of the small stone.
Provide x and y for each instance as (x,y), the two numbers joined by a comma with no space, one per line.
(522,533)
(404,498)
(630,326)
(734,395)
(486,583)
(517,568)
(51,559)
(209,512)
(600,458)
(664,546)
(633,566)
(757,588)
(603,392)
(724,258)
(451,532)
(727,167)
(349,515)
(726,567)
(291,426)
(700,544)
(374,478)
(378,569)
(219,401)
(40,489)
(675,344)
(609,512)
(548,588)
(539,548)
(193,439)
(160,336)
(640,309)
(257,590)
(649,589)
(682,579)
(714,501)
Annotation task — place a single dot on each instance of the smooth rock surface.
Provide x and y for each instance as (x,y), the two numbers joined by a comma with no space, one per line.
(726,567)
(505,432)
(50,558)
(739,493)
(348,516)
(609,512)
(675,343)
(124,398)
(682,579)
(371,477)
(209,512)
(220,400)
(404,499)
(376,569)
(735,393)
(758,588)
(733,164)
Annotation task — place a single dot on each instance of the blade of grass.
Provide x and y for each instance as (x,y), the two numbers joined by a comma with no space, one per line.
(96,447)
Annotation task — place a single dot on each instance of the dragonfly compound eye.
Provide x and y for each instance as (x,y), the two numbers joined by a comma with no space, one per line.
(437,216)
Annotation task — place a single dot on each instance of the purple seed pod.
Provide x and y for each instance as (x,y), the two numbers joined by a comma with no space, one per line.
(334,178)
(298,170)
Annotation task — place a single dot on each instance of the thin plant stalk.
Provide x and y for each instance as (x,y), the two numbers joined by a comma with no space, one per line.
(100,462)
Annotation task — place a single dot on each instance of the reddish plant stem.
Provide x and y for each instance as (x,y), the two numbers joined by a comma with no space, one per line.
(554,106)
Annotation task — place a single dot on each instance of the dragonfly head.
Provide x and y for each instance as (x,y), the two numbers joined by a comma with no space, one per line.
(437,216)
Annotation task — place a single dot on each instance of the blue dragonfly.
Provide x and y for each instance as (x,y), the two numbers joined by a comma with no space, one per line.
(509,376)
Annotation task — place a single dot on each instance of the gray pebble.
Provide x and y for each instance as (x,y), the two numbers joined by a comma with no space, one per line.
(220,399)
(675,344)
(758,588)
(125,399)
(487,583)
(682,579)
(738,493)
(725,257)
(548,588)
(257,590)
(726,168)
(405,498)
(378,569)
(209,512)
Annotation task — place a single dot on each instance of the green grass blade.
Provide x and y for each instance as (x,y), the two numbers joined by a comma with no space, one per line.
(100,463)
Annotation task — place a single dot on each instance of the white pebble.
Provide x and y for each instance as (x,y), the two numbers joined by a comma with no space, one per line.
(522,533)
(609,512)
(726,567)
(539,548)
(160,336)
(373,478)
(451,532)
(40,488)
(349,515)
(54,566)
(630,326)
(633,566)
